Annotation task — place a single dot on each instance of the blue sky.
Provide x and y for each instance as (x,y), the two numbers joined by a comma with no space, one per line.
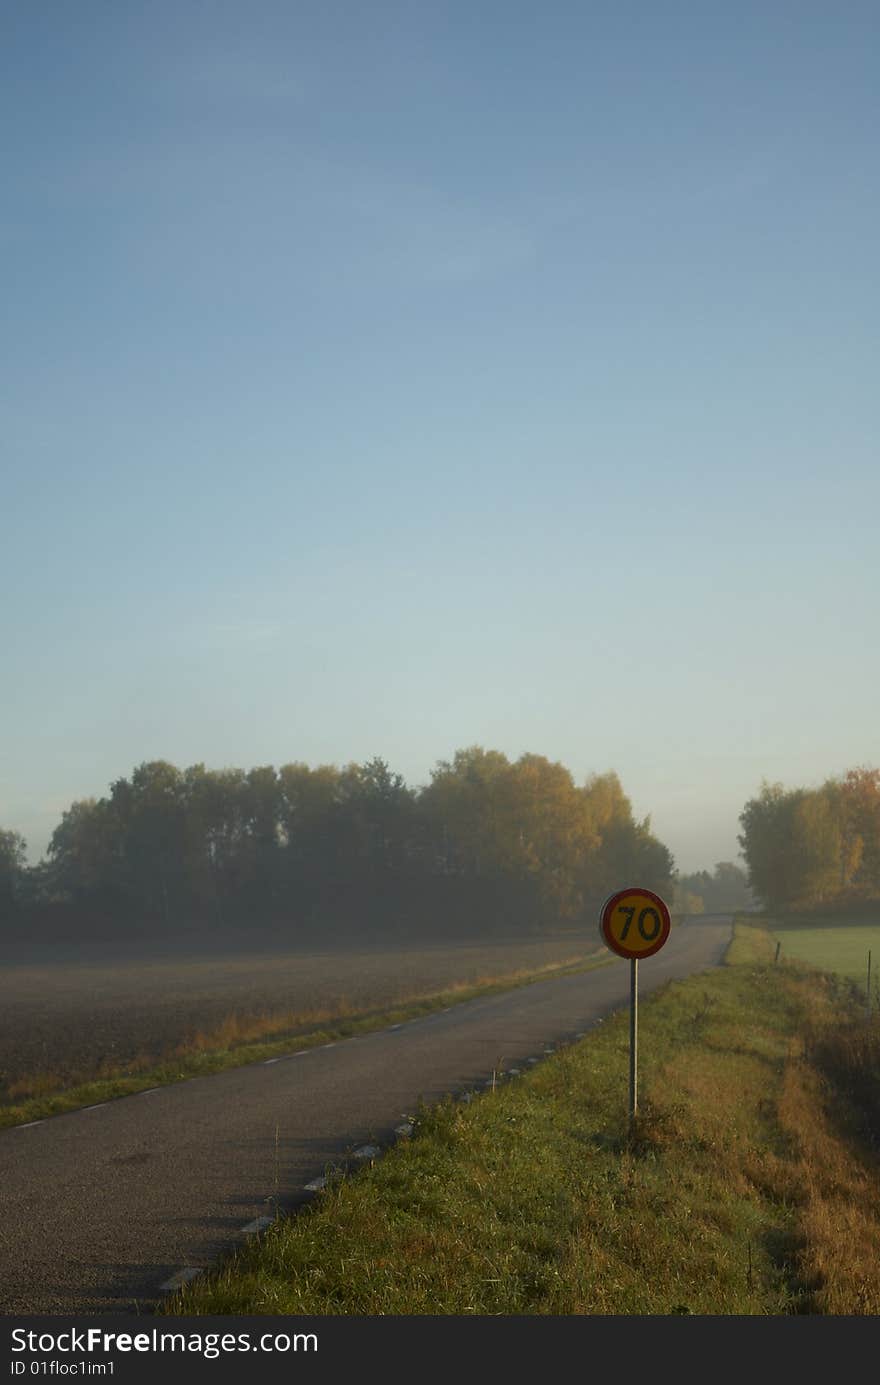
(384,379)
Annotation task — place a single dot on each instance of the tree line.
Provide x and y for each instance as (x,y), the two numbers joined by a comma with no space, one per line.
(807,848)
(488,841)
(722,892)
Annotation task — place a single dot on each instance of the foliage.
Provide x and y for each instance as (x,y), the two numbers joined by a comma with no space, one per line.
(13,855)
(724,891)
(488,839)
(814,847)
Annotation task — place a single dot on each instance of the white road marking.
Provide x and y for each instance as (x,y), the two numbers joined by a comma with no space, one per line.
(367,1152)
(531,1060)
(95,1107)
(269,1061)
(257,1225)
(149,1091)
(333,1045)
(27,1125)
(392,1027)
(182,1277)
(316,1185)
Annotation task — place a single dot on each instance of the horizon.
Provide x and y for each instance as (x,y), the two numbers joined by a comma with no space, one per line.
(381,384)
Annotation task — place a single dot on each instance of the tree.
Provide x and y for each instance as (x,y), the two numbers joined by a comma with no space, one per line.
(859,801)
(730,887)
(13,860)
(151,811)
(766,841)
(815,844)
(377,809)
(791,841)
(86,851)
(726,888)
(626,850)
(308,802)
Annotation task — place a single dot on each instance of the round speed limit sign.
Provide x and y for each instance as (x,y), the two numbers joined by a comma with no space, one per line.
(634,922)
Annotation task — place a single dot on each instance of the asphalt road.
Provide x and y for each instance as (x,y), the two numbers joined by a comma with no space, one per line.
(103,1206)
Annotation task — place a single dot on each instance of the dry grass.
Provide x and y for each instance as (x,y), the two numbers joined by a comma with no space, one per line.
(839,1260)
(69,1013)
(246,1037)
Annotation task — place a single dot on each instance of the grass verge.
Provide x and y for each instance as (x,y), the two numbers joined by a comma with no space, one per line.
(242,1040)
(747,1185)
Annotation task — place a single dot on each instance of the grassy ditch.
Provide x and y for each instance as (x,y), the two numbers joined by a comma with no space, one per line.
(240,1040)
(748,1186)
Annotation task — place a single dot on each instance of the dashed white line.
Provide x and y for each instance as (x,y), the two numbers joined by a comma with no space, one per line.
(182,1277)
(257,1225)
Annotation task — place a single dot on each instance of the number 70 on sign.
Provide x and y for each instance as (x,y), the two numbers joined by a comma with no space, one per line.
(634,922)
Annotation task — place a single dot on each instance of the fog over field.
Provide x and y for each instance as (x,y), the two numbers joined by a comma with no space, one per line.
(68,1009)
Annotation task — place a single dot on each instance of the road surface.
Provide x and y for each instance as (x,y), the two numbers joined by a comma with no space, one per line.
(103,1206)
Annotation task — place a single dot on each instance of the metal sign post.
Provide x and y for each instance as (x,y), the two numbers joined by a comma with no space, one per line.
(633,1037)
(634,923)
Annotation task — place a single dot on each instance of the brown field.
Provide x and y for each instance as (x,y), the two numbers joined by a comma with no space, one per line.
(74,1011)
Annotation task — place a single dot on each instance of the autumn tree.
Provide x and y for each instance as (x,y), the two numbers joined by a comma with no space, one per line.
(488,842)
(859,804)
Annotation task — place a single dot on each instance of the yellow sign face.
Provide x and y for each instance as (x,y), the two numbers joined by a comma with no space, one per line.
(635,922)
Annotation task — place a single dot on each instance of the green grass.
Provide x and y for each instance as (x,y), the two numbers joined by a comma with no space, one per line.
(536,1198)
(841,948)
(202,1061)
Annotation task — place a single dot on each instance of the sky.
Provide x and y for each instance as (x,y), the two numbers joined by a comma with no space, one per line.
(383,379)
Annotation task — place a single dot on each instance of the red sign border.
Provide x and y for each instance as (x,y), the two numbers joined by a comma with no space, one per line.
(613,944)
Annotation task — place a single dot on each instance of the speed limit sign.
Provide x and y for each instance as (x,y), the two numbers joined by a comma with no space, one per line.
(635,923)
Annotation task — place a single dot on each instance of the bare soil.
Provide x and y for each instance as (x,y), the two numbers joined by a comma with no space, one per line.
(71,1011)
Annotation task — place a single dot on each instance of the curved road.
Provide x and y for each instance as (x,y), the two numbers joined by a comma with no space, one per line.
(103,1206)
